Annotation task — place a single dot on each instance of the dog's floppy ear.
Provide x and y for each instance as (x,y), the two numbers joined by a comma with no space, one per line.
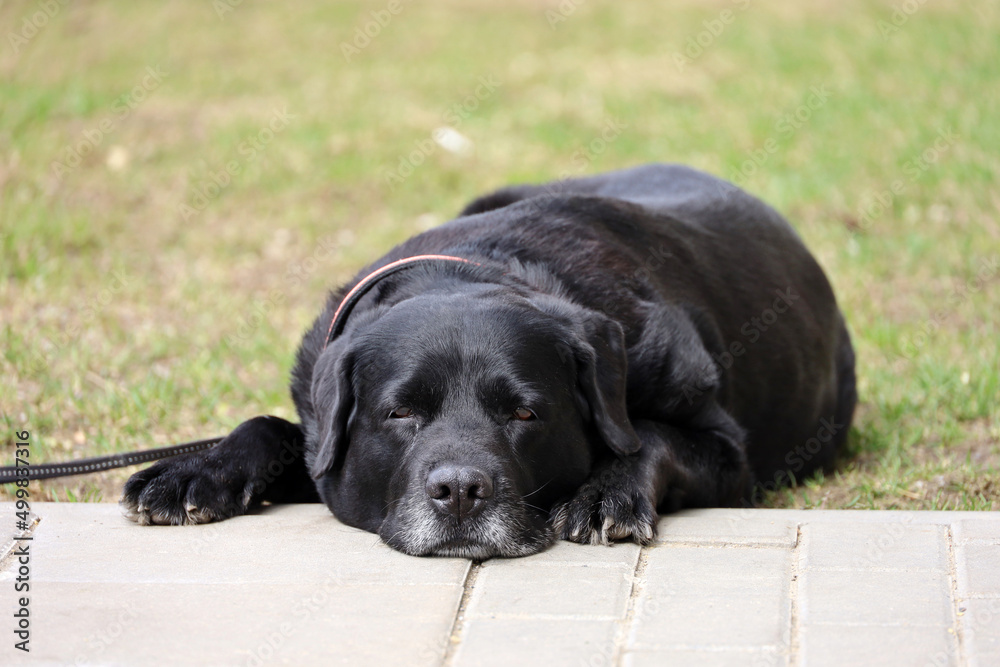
(333,403)
(602,370)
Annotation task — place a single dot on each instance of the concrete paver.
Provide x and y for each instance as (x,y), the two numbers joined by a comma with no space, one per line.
(979,569)
(526,590)
(865,597)
(727,527)
(974,530)
(980,627)
(708,598)
(537,641)
(715,658)
(875,546)
(977,559)
(288,624)
(291,585)
(837,645)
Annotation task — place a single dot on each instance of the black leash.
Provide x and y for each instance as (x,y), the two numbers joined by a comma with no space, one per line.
(11,474)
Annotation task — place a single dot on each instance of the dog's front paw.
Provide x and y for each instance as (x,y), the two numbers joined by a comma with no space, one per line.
(187,489)
(611,505)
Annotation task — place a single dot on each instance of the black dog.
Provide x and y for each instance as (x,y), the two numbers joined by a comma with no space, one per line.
(560,361)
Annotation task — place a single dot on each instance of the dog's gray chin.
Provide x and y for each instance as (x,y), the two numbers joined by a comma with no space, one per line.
(506,533)
(481,551)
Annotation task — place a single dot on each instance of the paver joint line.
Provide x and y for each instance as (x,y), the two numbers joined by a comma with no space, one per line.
(457,626)
(638,575)
(793,596)
(572,563)
(886,570)
(706,544)
(530,616)
(713,648)
(953,590)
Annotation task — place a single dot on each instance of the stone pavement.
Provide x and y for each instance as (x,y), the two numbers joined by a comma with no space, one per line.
(290,585)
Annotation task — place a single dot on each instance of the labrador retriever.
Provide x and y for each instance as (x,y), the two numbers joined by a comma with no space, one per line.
(561,361)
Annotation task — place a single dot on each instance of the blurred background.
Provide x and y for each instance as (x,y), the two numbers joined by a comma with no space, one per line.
(180,183)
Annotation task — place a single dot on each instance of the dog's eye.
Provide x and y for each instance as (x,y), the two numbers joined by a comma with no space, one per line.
(524,414)
(401,413)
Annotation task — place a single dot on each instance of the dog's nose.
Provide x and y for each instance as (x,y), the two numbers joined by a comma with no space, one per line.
(461,491)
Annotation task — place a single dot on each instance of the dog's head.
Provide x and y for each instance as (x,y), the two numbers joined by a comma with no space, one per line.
(451,423)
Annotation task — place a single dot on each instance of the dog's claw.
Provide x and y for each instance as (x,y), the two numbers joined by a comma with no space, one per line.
(606,533)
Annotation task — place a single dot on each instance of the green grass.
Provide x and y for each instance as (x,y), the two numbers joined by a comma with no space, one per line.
(169,347)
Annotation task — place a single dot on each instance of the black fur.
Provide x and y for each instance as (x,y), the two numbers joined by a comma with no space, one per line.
(672,336)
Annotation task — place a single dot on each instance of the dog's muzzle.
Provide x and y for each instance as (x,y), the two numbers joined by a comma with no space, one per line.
(460,510)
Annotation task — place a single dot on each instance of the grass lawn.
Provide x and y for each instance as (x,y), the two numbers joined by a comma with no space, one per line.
(181,182)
